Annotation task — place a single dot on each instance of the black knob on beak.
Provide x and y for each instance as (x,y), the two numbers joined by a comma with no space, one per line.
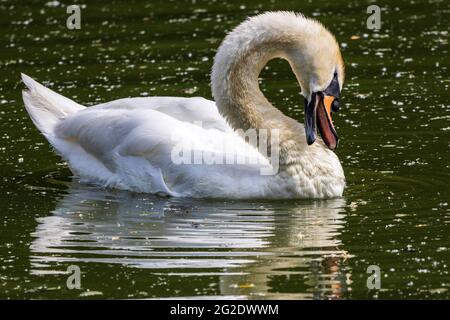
(335,105)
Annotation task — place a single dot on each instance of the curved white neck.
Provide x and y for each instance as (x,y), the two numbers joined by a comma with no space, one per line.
(235,87)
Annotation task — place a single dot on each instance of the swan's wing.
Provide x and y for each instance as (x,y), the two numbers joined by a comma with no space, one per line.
(145,150)
(196,110)
(135,144)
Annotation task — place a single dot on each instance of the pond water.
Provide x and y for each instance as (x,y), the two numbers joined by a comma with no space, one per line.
(394,126)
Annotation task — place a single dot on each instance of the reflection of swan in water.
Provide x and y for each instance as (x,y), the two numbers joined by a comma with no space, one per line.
(255,248)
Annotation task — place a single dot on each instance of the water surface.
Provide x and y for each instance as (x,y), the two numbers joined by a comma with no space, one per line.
(394,126)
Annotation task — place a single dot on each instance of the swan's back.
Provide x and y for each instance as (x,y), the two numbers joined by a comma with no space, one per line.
(132,144)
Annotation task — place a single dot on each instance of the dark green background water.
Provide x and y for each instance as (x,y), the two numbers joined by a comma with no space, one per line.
(395,149)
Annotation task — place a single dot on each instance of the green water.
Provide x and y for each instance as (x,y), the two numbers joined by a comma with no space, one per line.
(394,126)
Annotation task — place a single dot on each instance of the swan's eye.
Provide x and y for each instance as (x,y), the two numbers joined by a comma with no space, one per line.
(335,105)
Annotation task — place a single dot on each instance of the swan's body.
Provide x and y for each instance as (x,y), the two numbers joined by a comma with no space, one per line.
(131,143)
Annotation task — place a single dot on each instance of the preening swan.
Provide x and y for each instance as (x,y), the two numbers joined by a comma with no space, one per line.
(181,146)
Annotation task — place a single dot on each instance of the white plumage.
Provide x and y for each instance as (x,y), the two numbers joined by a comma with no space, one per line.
(131,144)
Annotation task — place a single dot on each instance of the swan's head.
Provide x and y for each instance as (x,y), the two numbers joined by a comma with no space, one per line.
(312,52)
(316,60)
(319,108)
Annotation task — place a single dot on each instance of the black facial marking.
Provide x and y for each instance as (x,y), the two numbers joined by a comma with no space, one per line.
(333,89)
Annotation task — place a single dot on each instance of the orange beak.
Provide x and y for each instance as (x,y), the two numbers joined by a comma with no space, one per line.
(327,102)
(325,122)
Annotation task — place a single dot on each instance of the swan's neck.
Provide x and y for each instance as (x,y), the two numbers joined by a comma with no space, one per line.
(239,99)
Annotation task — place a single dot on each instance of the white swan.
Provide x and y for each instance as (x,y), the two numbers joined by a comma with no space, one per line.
(131,143)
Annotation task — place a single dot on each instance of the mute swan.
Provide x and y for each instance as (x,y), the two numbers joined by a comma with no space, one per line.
(134,143)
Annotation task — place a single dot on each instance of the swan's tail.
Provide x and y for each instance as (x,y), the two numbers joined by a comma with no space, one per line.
(46,107)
